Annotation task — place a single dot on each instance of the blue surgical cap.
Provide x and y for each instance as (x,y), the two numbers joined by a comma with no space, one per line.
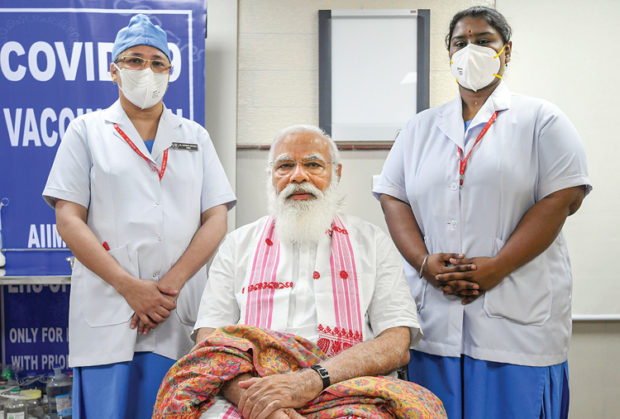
(140,31)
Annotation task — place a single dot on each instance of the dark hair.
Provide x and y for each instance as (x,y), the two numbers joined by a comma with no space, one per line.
(492,16)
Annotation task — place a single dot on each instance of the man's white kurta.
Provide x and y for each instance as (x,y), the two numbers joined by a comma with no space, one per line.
(531,151)
(384,295)
(147,223)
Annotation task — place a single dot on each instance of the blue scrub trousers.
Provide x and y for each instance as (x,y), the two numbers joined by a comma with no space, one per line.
(473,389)
(122,390)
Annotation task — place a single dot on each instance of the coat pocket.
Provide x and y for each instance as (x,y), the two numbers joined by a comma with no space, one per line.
(524,296)
(189,298)
(104,306)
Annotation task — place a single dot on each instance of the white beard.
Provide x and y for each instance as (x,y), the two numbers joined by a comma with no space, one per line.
(304,221)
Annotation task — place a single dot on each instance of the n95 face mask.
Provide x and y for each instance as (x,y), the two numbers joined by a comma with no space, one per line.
(475,67)
(143,88)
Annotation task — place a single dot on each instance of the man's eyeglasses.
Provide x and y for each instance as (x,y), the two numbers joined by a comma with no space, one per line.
(313,166)
(139,63)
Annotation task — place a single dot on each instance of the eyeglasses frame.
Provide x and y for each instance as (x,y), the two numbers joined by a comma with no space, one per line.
(123,58)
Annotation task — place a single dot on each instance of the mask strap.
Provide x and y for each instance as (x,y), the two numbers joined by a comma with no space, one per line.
(498,54)
(500,51)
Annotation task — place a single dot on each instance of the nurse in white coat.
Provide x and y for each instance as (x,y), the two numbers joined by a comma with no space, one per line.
(141,201)
(475,193)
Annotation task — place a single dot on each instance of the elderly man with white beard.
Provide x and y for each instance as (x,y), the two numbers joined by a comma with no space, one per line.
(310,271)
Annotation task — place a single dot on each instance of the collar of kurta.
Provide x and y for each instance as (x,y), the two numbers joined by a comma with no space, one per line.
(339,317)
(166,130)
(451,116)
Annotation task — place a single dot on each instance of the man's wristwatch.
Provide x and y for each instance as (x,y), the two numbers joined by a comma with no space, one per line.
(323,373)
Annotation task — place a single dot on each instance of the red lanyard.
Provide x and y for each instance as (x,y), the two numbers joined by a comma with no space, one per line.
(133,146)
(463,162)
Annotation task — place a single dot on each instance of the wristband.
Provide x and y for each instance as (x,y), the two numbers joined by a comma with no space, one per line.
(422,267)
(323,373)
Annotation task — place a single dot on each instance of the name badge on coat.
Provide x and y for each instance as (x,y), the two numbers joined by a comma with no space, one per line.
(184,146)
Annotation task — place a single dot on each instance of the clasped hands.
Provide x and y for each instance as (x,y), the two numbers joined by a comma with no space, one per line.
(151,301)
(277,396)
(467,278)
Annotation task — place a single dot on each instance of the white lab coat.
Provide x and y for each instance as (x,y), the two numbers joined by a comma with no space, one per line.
(530,151)
(147,224)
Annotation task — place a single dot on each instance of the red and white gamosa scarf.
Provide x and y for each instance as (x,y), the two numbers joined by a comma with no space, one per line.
(336,289)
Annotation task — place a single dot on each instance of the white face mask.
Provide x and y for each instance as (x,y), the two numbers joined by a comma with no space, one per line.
(143,88)
(475,66)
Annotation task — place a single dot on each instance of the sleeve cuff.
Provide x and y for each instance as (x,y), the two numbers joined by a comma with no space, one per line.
(51,195)
(563,183)
(415,332)
(397,193)
(229,199)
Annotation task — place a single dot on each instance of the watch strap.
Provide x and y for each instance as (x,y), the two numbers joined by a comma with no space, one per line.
(323,373)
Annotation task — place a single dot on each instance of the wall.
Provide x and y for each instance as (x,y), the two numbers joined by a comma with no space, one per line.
(278,59)
(221,85)
(277,71)
(594,371)
(278,86)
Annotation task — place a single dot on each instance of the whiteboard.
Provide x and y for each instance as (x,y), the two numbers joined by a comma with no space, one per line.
(579,77)
(374,70)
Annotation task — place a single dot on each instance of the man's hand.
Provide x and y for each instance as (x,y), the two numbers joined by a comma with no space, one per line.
(264,396)
(151,307)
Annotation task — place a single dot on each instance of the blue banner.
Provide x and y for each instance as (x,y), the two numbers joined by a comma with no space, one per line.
(55,66)
(34,327)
